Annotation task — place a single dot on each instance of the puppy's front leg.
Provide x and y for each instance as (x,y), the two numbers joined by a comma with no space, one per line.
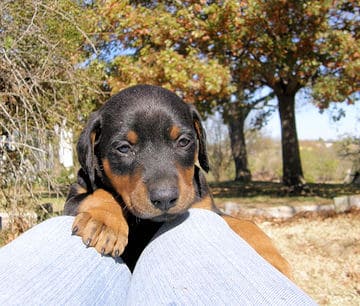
(101,223)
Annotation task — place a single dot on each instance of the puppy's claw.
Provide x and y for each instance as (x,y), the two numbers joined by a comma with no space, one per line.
(102,251)
(74,230)
(87,243)
(117,253)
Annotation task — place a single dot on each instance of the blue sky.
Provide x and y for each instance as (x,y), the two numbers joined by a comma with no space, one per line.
(312,125)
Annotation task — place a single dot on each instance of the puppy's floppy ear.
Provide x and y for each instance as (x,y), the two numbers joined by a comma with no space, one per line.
(201,135)
(86,147)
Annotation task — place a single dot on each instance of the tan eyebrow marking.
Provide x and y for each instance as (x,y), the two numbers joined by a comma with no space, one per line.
(132,137)
(174,132)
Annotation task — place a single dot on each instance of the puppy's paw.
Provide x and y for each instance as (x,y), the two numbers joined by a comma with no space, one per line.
(101,224)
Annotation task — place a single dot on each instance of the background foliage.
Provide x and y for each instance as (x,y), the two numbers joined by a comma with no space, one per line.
(215,53)
(61,59)
(42,84)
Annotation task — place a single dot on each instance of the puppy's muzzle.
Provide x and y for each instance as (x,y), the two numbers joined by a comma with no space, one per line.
(164,198)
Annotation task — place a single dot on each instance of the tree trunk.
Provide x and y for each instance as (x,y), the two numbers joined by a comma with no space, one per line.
(235,120)
(292,169)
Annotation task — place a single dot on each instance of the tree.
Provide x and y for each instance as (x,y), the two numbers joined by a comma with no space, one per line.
(156,39)
(42,83)
(176,45)
(296,44)
(235,113)
(235,116)
(209,51)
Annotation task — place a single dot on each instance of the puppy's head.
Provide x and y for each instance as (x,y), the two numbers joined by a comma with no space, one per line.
(143,143)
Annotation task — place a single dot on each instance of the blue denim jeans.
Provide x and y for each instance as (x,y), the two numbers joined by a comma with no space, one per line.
(194,260)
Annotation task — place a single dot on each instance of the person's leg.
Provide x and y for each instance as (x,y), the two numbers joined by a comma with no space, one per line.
(202,261)
(48,266)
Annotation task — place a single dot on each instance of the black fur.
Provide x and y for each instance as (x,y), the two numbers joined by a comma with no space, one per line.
(150,112)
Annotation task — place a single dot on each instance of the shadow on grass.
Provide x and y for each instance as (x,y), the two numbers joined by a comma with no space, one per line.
(233,189)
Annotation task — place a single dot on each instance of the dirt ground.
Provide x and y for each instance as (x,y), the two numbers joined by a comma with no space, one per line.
(324,253)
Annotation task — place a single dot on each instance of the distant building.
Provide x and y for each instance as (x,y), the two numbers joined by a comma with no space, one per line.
(65,145)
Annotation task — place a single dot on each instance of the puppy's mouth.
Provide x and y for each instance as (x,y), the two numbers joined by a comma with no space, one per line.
(154,214)
(165,217)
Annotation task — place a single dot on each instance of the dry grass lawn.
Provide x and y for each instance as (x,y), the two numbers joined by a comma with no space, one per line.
(324,253)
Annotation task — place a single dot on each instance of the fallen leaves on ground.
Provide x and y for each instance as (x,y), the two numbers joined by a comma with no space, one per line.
(324,253)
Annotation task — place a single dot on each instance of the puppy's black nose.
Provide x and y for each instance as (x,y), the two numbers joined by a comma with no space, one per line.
(164,198)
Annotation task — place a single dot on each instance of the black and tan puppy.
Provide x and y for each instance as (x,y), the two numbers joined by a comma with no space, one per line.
(137,156)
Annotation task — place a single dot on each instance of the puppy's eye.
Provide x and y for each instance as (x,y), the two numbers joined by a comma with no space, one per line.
(124,148)
(183,142)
